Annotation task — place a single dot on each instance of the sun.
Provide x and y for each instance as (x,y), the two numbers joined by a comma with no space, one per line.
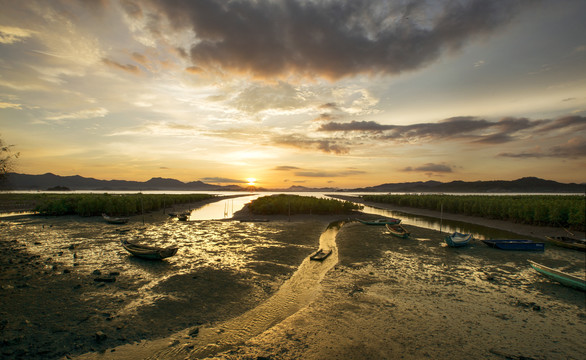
(251,181)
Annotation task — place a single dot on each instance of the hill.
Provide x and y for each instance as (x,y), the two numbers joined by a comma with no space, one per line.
(524,185)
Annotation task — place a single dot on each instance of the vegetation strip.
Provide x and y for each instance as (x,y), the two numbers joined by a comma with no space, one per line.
(96,204)
(295,204)
(542,210)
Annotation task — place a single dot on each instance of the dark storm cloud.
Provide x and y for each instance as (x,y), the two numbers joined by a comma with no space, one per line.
(431,167)
(333,39)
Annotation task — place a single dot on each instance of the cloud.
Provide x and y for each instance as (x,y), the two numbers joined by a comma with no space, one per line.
(430,167)
(367,126)
(220,180)
(11,35)
(133,69)
(306,143)
(285,168)
(5,105)
(80,115)
(330,39)
(328,174)
(573,148)
(474,129)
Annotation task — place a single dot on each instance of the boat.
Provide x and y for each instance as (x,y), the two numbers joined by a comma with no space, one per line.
(397,230)
(568,242)
(559,276)
(148,252)
(320,255)
(380,222)
(254,220)
(457,239)
(115,220)
(528,245)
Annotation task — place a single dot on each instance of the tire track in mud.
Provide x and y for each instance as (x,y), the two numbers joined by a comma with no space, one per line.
(292,296)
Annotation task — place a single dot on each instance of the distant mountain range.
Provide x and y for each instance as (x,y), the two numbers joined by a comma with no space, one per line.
(51,181)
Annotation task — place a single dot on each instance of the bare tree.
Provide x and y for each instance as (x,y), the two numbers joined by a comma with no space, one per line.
(7,157)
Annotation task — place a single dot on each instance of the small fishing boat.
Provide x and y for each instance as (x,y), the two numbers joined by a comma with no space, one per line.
(559,276)
(527,245)
(320,255)
(380,222)
(457,239)
(115,220)
(148,252)
(397,230)
(568,242)
(254,220)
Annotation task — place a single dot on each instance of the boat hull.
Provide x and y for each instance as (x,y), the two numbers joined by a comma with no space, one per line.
(568,242)
(380,222)
(522,245)
(398,231)
(148,252)
(320,255)
(458,239)
(559,276)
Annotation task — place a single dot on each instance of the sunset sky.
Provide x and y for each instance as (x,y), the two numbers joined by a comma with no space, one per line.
(295,92)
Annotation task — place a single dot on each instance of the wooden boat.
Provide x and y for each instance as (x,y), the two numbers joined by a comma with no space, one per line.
(568,242)
(148,252)
(397,230)
(457,239)
(527,245)
(320,255)
(561,277)
(115,220)
(380,222)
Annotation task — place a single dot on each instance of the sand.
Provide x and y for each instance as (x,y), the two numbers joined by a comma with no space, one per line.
(248,291)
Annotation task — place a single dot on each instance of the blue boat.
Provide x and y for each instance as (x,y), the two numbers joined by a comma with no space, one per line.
(516,244)
(457,239)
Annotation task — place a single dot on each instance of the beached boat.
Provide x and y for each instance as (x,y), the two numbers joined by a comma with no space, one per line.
(254,220)
(527,245)
(380,222)
(568,242)
(559,276)
(398,230)
(320,255)
(457,239)
(148,252)
(115,220)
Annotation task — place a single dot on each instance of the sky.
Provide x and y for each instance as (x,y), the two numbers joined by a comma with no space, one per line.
(315,93)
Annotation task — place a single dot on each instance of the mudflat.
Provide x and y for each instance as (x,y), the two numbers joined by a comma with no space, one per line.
(247,290)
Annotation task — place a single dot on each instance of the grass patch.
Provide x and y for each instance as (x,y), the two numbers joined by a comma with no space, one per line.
(295,204)
(96,204)
(542,210)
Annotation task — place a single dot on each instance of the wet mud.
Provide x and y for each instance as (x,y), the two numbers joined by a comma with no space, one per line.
(247,290)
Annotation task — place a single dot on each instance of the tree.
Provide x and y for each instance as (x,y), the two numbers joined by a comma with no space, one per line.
(6,159)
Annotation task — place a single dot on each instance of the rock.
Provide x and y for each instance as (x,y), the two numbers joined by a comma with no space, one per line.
(100,336)
(105,279)
(96,272)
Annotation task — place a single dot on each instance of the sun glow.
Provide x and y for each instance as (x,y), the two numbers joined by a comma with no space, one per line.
(251,181)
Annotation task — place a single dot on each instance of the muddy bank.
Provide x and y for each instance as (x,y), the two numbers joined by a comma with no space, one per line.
(390,298)
(68,287)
